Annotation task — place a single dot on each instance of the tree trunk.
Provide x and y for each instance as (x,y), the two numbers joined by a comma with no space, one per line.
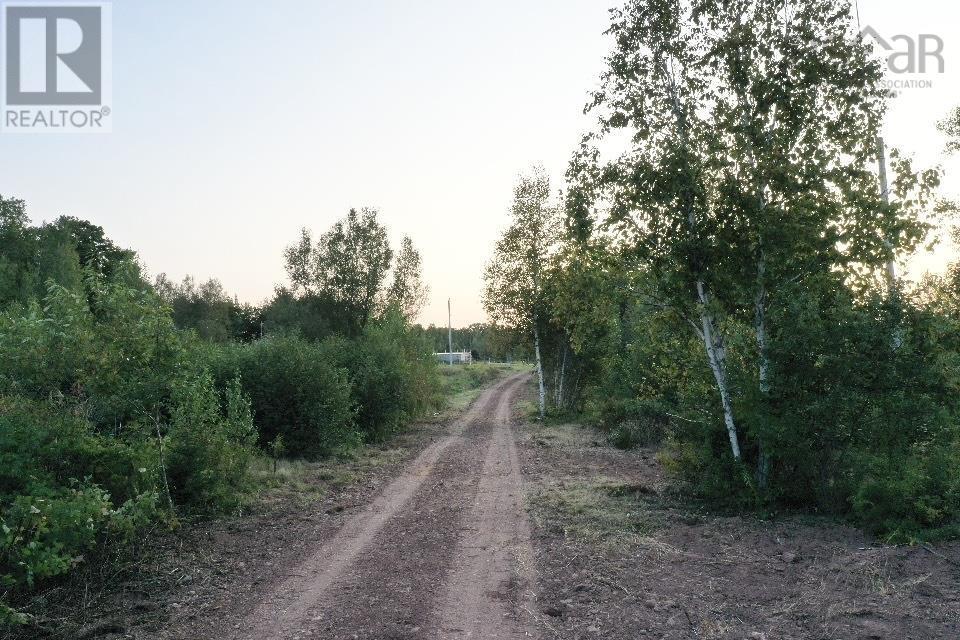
(536,349)
(716,354)
(563,370)
(760,328)
(556,377)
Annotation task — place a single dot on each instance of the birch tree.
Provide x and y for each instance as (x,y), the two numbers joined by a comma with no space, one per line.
(750,163)
(514,278)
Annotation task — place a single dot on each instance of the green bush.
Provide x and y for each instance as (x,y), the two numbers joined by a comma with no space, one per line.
(296,389)
(393,376)
(209,448)
(46,536)
(46,444)
(92,383)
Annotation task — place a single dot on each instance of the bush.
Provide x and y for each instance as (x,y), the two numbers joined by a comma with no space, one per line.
(47,445)
(89,383)
(393,376)
(209,449)
(46,536)
(297,390)
(64,489)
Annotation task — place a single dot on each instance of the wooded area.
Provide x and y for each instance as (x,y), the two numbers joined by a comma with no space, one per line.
(723,281)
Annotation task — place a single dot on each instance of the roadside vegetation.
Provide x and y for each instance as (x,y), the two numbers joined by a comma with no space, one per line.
(718,276)
(127,405)
(463,383)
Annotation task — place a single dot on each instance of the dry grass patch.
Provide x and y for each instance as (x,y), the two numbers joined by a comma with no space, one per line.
(603,511)
(307,482)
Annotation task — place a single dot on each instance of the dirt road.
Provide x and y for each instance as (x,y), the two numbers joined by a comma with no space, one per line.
(443,552)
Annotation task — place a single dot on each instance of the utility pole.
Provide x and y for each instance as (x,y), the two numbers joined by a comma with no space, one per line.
(449,332)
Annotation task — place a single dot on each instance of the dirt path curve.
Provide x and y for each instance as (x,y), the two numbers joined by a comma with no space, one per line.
(443,551)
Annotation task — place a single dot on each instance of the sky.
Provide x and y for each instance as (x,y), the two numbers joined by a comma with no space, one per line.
(238,122)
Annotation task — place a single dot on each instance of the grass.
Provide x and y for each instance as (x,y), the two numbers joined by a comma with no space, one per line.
(462,384)
(599,511)
(602,511)
(307,482)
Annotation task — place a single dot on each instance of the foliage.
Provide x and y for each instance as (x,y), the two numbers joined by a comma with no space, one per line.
(297,390)
(209,443)
(407,290)
(513,294)
(208,310)
(348,265)
(392,373)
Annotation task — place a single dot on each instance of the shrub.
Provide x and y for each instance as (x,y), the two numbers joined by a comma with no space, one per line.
(393,375)
(209,450)
(43,536)
(296,390)
(47,445)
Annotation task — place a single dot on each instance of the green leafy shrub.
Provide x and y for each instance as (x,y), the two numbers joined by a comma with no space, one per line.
(209,448)
(393,375)
(43,537)
(296,389)
(46,445)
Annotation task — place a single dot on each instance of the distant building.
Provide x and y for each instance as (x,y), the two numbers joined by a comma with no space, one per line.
(457,357)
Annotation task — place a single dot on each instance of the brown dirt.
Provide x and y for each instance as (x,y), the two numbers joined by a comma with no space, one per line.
(382,574)
(618,557)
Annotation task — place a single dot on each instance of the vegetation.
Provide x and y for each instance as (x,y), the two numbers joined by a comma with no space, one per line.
(722,283)
(125,404)
(461,384)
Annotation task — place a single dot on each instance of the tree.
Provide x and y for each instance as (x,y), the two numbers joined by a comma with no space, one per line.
(347,265)
(207,309)
(408,291)
(514,278)
(16,250)
(750,165)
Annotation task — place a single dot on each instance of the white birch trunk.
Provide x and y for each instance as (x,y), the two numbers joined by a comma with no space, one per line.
(536,349)
(760,329)
(563,368)
(716,354)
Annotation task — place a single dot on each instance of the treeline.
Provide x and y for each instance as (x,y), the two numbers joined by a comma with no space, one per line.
(124,404)
(484,341)
(724,283)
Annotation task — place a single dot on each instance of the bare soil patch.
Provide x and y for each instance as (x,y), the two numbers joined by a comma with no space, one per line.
(618,557)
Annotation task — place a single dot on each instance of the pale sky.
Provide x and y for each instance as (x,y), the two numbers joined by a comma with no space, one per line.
(236,122)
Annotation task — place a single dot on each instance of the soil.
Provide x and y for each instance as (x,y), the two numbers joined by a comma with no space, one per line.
(493,526)
(651,567)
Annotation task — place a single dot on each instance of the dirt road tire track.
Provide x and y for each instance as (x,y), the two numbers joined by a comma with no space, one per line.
(490,591)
